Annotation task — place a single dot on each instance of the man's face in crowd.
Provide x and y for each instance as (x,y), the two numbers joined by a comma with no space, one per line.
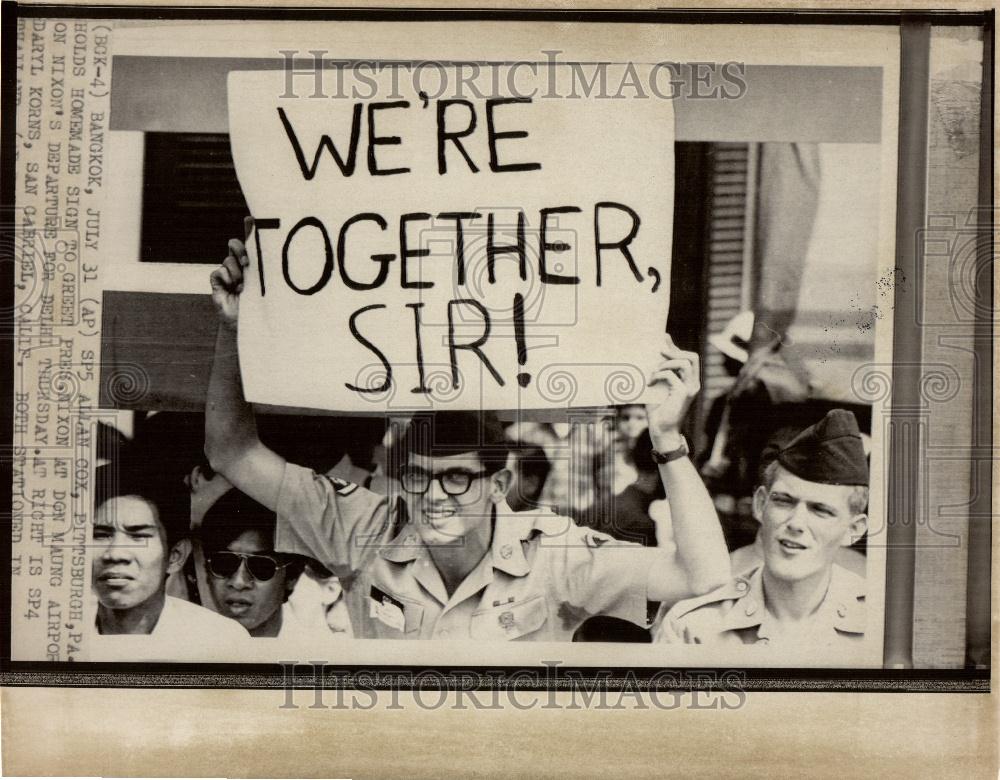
(632,421)
(442,515)
(243,598)
(804,524)
(131,560)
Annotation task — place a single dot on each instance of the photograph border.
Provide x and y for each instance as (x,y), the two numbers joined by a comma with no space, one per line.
(915,31)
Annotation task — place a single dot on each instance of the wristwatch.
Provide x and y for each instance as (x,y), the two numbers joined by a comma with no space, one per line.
(677,454)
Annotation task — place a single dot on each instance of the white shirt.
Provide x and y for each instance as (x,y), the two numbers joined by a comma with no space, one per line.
(308,634)
(184,632)
(319,605)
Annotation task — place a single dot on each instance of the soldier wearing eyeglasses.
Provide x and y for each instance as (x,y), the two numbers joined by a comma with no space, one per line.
(463,565)
(249,581)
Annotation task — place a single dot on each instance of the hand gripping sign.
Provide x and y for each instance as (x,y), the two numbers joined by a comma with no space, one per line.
(457,252)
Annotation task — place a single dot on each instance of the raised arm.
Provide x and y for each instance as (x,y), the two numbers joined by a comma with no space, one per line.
(231,442)
(701,547)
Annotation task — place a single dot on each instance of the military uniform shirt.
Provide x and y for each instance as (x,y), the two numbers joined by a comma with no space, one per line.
(540,579)
(735,614)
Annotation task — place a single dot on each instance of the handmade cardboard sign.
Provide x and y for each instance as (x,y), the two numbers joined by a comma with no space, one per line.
(464,251)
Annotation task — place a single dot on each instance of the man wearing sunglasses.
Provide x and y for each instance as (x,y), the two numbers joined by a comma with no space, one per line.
(463,565)
(249,581)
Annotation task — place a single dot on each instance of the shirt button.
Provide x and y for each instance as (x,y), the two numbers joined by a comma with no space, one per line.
(741,585)
(762,641)
(842,611)
(751,608)
(506,551)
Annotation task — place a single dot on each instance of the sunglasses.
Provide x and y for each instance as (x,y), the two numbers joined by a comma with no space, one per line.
(224,564)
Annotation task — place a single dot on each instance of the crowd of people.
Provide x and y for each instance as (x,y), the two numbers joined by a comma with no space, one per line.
(215,530)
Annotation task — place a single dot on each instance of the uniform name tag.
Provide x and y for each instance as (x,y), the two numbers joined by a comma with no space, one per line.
(386,609)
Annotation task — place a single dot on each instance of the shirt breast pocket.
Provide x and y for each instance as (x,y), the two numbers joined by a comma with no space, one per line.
(393,617)
(510,621)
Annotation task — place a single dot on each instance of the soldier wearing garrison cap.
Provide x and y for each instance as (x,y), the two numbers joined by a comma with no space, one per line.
(811,504)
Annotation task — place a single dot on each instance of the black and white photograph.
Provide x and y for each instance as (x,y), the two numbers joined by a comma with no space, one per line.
(375,352)
(499,510)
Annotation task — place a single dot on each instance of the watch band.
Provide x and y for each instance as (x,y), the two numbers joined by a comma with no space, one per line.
(677,454)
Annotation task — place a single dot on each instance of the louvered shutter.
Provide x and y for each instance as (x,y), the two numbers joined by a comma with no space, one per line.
(192,203)
(730,221)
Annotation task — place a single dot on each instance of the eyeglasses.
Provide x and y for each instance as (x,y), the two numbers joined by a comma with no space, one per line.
(224,564)
(454,482)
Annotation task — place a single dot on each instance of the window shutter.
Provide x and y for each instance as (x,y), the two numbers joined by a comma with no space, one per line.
(730,217)
(192,203)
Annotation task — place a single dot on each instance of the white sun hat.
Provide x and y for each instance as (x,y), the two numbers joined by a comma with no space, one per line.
(734,339)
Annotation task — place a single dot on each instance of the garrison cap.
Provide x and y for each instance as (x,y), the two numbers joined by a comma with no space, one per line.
(829,452)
